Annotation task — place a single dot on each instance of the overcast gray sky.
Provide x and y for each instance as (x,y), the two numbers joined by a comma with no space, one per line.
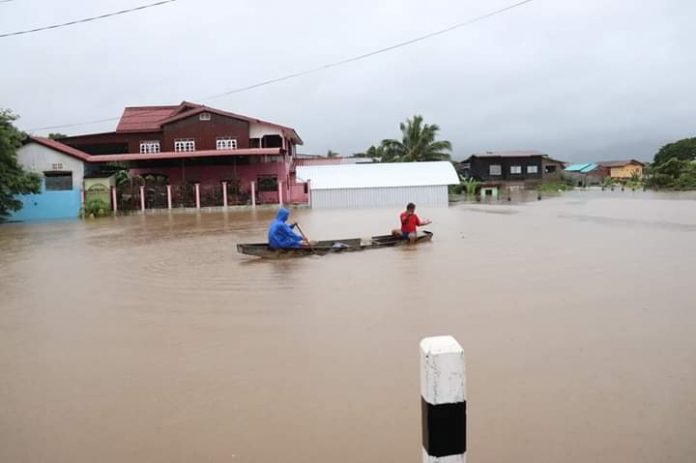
(580,80)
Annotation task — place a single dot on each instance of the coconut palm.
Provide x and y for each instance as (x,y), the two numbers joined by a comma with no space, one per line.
(417,143)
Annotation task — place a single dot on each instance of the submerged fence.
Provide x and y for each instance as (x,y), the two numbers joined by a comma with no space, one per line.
(133,196)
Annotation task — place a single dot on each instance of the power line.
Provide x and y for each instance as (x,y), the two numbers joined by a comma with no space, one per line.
(369,54)
(325,66)
(85,20)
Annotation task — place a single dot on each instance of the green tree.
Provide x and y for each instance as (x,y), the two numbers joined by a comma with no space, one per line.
(684,150)
(418,143)
(13,179)
(331,154)
(470,186)
(374,152)
(56,135)
(673,173)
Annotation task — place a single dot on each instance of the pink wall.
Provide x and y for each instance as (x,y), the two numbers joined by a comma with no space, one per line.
(214,175)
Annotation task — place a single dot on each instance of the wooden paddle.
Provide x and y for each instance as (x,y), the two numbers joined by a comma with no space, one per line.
(304,237)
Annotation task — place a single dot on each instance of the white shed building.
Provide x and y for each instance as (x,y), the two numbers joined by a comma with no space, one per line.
(377,185)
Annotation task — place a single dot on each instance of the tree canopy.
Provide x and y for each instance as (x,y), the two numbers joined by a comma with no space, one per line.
(13,179)
(684,149)
(418,143)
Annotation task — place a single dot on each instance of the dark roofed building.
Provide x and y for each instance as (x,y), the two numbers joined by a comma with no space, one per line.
(511,166)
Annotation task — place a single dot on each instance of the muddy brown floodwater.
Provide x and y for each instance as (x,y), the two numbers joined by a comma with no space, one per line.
(148,338)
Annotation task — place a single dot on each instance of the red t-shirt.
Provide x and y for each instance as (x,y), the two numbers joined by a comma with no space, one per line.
(409,222)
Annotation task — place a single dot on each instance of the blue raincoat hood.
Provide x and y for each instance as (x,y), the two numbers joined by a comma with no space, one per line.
(282,214)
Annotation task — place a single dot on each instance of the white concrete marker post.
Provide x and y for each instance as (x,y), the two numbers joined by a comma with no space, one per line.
(198,195)
(443,400)
(253,194)
(114,204)
(224,194)
(169,196)
(142,198)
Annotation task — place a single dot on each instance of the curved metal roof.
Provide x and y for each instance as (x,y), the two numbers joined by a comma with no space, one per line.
(378,175)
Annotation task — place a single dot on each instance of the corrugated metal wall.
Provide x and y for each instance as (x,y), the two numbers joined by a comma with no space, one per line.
(378,197)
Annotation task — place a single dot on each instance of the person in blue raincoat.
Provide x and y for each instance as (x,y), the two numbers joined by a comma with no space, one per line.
(280,234)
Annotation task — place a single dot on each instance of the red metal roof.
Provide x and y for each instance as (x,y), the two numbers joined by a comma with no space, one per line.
(144,118)
(183,154)
(152,118)
(70,151)
(63,148)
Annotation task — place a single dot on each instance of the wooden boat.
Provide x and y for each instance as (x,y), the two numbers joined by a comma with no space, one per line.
(330,246)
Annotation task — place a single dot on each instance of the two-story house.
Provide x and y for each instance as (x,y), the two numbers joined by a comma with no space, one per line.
(191,143)
(511,166)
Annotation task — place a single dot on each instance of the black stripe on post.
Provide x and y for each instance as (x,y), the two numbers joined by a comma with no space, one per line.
(444,428)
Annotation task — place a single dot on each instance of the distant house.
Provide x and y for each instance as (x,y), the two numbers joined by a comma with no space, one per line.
(586,174)
(378,184)
(624,169)
(511,166)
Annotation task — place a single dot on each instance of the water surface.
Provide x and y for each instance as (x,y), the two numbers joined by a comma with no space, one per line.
(148,338)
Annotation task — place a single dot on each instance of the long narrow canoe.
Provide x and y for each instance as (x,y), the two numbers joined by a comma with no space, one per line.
(330,246)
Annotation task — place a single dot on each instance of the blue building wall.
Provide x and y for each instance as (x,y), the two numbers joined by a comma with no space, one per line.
(48,205)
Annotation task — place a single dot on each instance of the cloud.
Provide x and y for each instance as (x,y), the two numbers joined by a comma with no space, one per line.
(579,80)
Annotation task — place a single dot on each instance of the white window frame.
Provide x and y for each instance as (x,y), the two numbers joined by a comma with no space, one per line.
(226,143)
(204,117)
(532,169)
(184,144)
(495,170)
(516,170)
(149,146)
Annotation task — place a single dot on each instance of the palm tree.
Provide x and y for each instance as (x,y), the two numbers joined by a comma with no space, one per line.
(417,143)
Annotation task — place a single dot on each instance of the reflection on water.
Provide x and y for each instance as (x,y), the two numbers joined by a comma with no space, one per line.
(148,338)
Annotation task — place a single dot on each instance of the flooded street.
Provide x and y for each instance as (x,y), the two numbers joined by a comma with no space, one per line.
(148,338)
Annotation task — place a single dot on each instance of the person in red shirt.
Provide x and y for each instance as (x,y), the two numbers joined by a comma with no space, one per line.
(409,222)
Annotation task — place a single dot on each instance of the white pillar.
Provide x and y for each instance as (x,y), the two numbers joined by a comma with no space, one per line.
(309,193)
(198,195)
(169,196)
(142,198)
(280,192)
(253,194)
(443,400)
(114,204)
(224,194)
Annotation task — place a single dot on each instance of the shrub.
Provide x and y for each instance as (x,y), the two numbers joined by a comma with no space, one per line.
(96,208)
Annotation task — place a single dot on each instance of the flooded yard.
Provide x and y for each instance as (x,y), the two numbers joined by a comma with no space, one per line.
(148,338)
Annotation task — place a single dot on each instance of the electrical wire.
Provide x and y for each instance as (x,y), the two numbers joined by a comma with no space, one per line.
(323,67)
(85,20)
